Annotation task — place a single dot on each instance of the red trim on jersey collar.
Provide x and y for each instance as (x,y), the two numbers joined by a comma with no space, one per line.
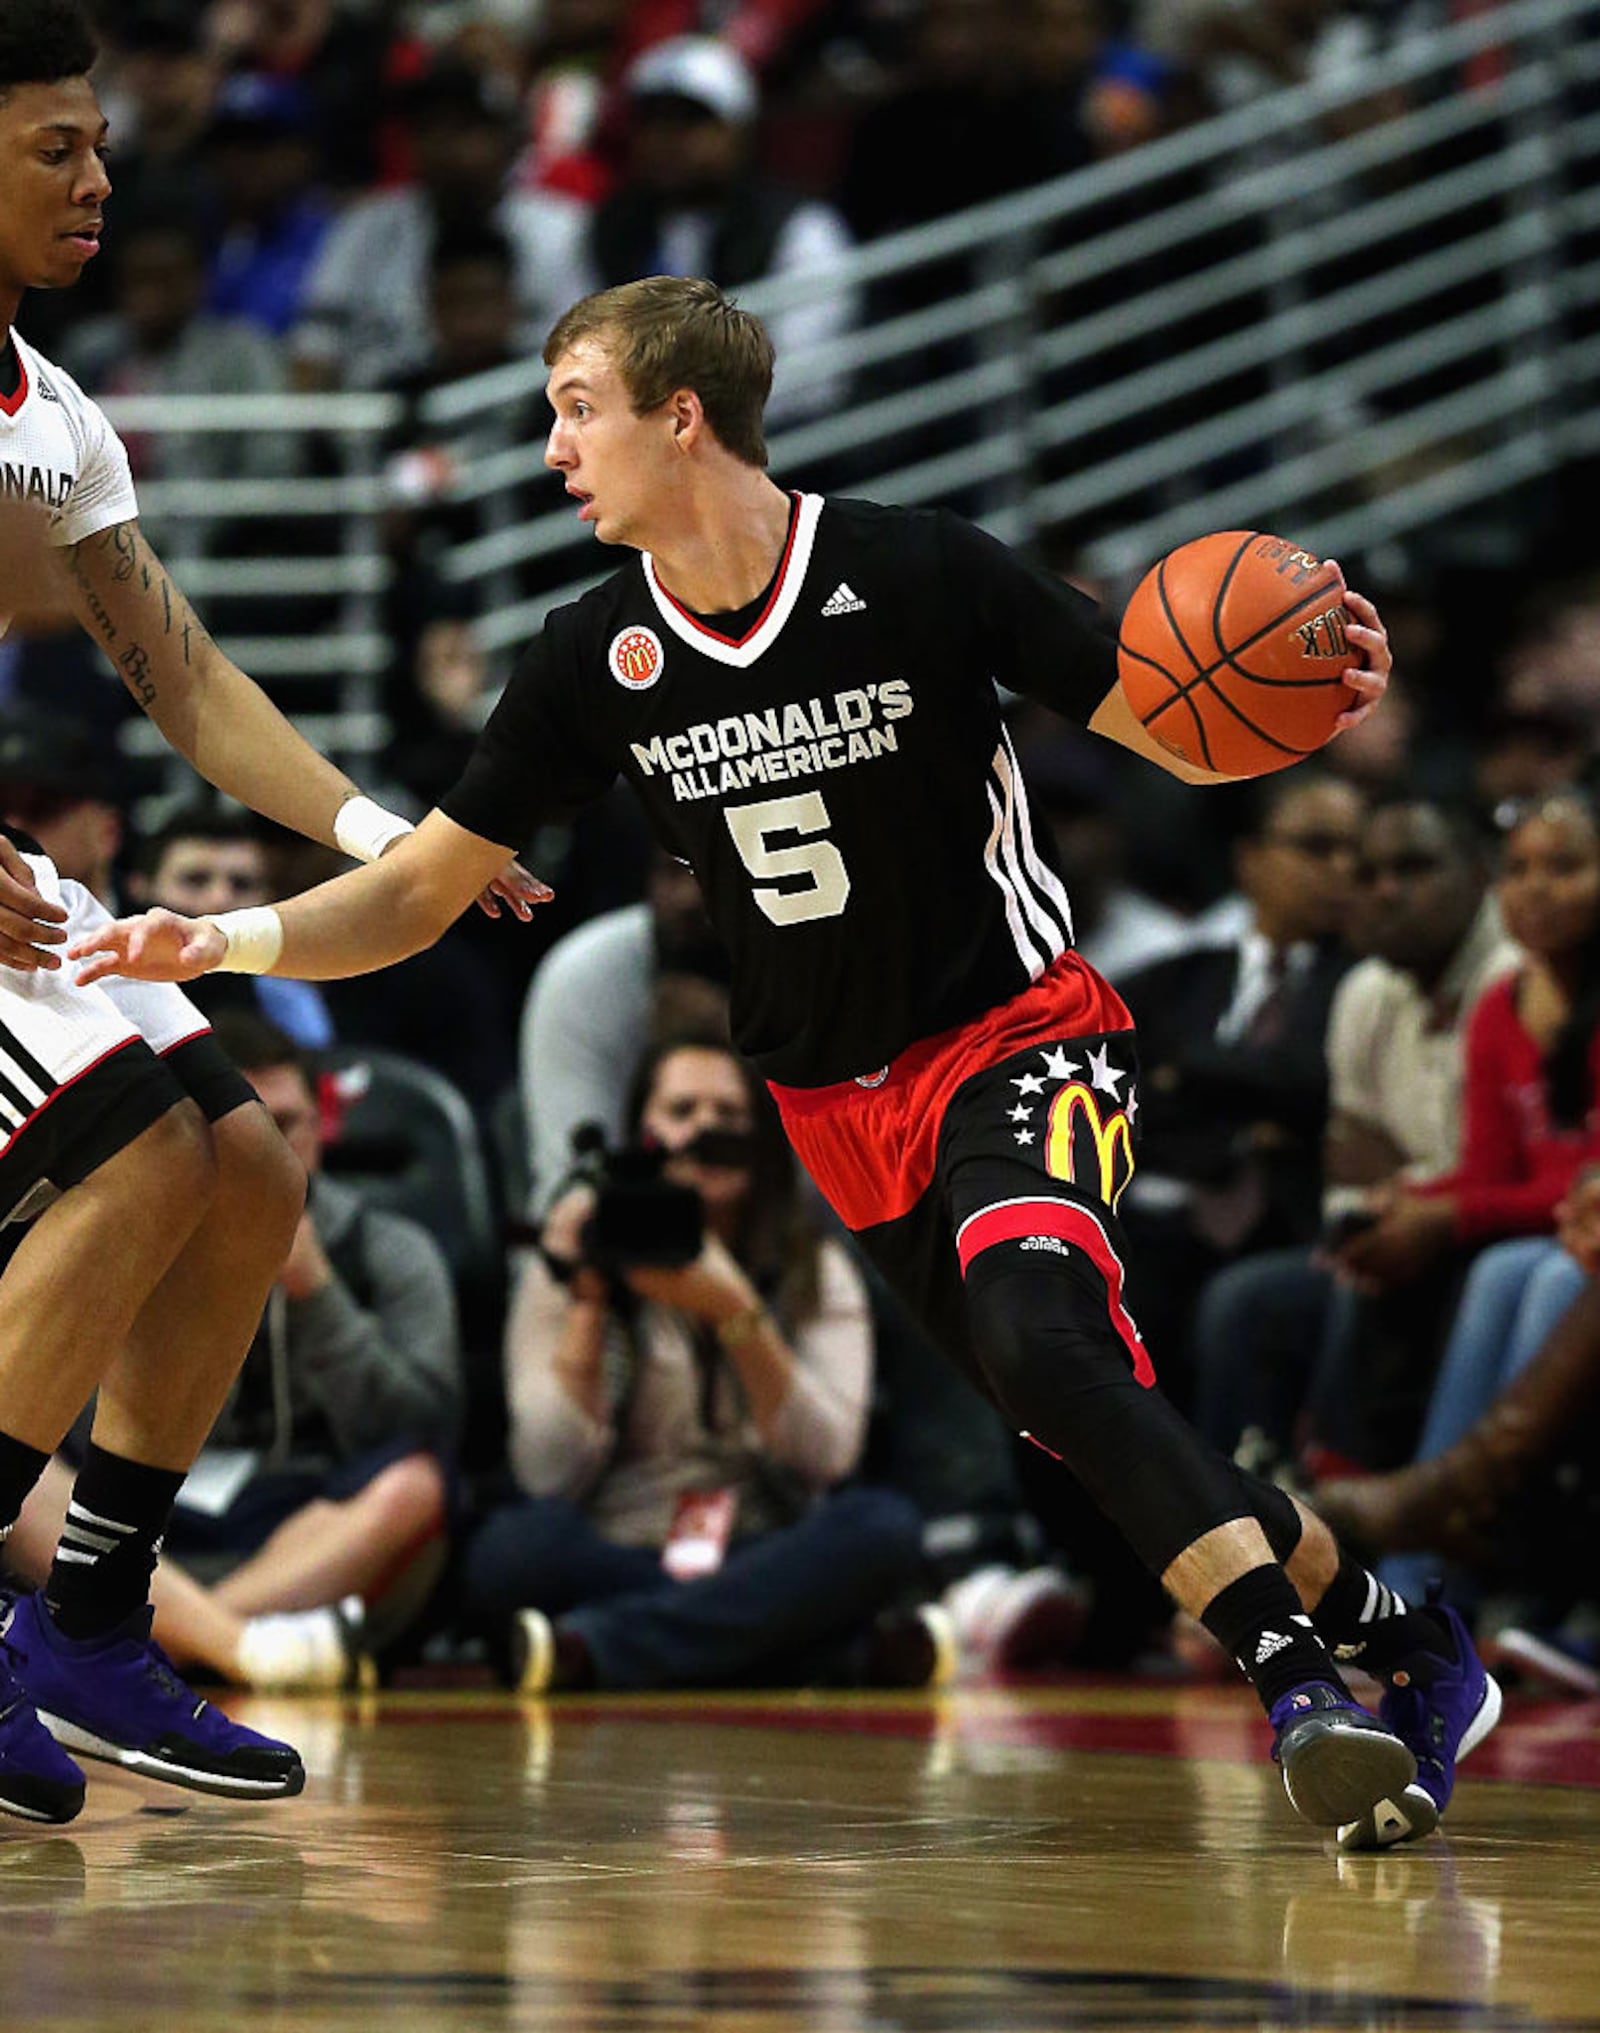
(10,404)
(694,621)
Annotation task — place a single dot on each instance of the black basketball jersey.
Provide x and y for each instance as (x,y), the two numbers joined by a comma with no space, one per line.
(839,777)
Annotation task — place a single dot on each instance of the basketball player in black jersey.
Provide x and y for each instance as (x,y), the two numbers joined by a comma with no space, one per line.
(802,693)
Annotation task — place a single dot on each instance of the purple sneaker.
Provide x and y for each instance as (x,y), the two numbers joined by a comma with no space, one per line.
(1440,1709)
(119,1698)
(1338,1762)
(38,1781)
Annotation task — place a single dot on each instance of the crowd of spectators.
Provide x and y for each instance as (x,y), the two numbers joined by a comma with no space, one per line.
(1366,1237)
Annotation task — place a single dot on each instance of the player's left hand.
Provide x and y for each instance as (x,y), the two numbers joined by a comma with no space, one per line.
(1369,679)
(155,946)
(516,888)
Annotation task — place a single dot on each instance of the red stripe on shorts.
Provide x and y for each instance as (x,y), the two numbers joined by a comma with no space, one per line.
(1068,1222)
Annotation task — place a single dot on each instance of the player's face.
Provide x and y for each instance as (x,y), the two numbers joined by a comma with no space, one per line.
(616,463)
(53,183)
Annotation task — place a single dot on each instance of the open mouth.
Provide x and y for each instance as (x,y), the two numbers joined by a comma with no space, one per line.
(86,239)
(585,503)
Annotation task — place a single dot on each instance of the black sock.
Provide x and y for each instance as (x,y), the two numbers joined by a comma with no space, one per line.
(1368,1625)
(109,1542)
(1258,1621)
(20,1468)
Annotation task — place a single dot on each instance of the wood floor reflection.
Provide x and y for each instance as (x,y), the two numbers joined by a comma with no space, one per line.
(1067,1857)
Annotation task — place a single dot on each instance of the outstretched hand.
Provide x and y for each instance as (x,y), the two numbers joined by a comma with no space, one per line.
(155,946)
(515,887)
(1369,679)
(29,925)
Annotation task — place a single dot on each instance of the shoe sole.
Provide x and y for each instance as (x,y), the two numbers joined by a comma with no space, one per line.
(1336,1775)
(40,1814)
(1391,1822)
(148,1766)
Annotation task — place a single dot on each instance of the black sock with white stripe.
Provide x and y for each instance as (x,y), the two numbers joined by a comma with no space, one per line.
(1258,1621)
(20,1468)
(1366,1624)
(109,1542)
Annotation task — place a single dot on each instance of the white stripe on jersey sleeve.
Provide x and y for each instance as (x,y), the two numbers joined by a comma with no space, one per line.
(1027,952)
(1049,930)
(1044,878)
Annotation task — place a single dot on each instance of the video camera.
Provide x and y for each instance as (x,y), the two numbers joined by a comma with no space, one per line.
(641,1217)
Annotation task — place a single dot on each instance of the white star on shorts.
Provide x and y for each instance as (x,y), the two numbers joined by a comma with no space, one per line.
(1030,1083)
(1024,1136)
(1104,1075)
(1058,1065)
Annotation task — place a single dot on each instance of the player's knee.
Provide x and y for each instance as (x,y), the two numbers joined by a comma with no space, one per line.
(260,1181)
(176,1158)
(1044,1327)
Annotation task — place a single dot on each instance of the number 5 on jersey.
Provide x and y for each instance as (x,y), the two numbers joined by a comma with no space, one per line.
(773,869)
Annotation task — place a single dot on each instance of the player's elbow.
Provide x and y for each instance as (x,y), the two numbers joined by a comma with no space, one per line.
(422,916)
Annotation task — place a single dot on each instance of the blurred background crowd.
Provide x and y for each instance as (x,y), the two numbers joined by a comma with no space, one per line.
(1367,1216)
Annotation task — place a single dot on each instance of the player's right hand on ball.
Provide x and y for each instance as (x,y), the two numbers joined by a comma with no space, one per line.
(28,925)
(155,946)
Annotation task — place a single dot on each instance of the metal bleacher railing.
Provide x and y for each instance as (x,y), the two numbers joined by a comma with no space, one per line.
(1354,310)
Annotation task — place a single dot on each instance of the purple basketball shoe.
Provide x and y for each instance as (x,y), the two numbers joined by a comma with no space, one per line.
(38,1781)
(1440,1708)
(119,1698)
(1338,1762)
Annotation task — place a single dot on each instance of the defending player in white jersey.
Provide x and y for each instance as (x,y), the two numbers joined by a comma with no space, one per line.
(160,1198)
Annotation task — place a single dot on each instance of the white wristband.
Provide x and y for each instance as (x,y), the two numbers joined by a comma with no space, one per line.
(255,939)
(364,829)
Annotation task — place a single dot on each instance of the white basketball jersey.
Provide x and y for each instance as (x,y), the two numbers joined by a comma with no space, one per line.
(58,451)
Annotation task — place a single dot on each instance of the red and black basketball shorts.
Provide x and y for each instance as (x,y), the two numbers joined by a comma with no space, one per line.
(83,1071)
(1018,1128)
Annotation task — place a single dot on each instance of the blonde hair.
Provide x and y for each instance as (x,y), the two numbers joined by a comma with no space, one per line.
(669,332)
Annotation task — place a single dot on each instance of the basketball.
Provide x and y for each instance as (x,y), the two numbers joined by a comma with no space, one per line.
(1231,652)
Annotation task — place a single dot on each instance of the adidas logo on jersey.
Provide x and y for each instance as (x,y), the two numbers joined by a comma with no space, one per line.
(47,393)
(1271,1642)
(842,601)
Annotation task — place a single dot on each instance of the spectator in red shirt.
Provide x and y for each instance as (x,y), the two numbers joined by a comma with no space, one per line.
(1531,1125)
(1533,1054)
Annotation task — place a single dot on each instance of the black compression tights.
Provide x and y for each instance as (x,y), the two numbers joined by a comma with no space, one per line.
(1060,1374)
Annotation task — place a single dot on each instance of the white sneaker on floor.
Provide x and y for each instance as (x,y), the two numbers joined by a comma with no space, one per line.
(305,1650)
(1009,1620)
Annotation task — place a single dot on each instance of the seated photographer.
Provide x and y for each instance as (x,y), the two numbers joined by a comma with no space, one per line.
(689,1370)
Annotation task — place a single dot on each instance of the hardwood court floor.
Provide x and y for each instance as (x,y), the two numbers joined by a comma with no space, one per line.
(1082,1855)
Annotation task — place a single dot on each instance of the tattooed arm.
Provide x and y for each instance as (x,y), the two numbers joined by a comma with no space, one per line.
(202,702)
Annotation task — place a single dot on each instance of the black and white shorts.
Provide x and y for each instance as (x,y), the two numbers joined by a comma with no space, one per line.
(83,1071)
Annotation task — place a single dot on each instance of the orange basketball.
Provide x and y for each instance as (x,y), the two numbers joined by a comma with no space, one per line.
(1231,651)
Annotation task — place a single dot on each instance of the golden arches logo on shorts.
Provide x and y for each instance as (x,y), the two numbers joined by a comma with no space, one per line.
(635,658)
(1087,1147)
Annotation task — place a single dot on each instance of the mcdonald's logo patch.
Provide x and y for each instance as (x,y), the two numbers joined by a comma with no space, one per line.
(635,658)
(1088,1147)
